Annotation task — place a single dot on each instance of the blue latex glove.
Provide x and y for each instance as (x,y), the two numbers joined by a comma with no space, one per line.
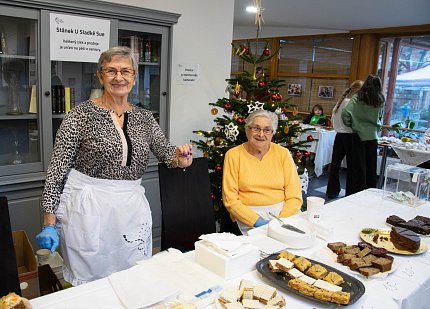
(48,238)
(260,221)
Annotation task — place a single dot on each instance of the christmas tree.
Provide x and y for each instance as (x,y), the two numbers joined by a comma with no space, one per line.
(248,92)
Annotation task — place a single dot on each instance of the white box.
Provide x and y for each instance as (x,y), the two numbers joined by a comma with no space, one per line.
(226,266)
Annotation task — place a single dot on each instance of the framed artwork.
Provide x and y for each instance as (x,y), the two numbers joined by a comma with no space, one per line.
(325,92)
(294,89)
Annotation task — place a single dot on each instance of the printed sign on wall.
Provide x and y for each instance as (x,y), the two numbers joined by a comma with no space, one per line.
(79,39)
(188,74)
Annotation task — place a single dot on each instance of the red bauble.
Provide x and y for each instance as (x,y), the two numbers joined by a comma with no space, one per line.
(227,106)
(298,154)
(310,138)
(276,97)
(262,84)
(218,168)
(240,120)
(266,52)
(213,197)
(307,154)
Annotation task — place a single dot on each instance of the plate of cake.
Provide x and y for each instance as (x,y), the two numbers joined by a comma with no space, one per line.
(311,279)
(419,224)
(395,240)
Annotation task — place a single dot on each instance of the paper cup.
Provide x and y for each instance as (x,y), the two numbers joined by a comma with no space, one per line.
(43,256)
(315,207)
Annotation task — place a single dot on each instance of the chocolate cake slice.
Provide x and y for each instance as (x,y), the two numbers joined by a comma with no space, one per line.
(404,239)
(394,220)
(417,226)
(426,220)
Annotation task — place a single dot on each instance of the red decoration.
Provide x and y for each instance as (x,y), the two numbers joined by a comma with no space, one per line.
(218,168)
(227,106)
(213,197)
(262,84)
(276,97)
(298,154)
(240,120)
(307,154)
(310,138)
(217,141)
(266,52)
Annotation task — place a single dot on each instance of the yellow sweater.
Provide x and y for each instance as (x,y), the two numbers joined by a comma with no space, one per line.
(248,181)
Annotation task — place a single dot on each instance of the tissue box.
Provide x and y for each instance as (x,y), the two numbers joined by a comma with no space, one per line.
(407,184)
(226,266)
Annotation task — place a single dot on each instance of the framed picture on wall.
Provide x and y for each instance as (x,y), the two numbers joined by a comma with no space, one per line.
(294,89)
(325,92)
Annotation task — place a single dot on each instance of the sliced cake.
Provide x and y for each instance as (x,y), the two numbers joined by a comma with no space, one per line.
(404,239)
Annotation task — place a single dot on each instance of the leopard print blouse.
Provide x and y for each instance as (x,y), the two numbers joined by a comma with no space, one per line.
(91,141)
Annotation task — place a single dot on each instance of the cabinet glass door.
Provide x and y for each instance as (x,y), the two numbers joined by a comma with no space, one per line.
(19,111)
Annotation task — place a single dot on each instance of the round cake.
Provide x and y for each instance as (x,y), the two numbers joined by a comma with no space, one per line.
(404,239)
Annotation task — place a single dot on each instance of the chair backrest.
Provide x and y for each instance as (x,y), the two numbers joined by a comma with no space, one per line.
(186,204)
(9,281)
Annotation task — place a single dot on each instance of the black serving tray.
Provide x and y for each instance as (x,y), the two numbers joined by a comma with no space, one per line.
(352,285)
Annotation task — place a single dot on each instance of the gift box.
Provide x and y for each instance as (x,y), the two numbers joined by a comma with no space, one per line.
(27,265)
(225,264)
(406,184)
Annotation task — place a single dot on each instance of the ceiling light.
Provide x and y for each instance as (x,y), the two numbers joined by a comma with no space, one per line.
(251,9)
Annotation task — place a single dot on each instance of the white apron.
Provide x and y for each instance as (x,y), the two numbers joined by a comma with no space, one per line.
(105,226)
(263,212)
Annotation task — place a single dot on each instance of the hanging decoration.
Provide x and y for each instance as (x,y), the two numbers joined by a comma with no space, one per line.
(255,106)
(231,131)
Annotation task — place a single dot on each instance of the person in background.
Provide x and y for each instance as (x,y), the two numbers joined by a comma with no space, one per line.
(93,199)
(316,116)
(363,114)
(342,143)
(260,176)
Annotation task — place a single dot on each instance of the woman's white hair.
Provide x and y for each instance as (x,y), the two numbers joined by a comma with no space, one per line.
(262,113)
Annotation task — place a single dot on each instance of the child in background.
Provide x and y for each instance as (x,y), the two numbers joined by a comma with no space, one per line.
(316,116)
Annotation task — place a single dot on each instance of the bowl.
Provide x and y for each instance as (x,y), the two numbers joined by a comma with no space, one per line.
(293,239)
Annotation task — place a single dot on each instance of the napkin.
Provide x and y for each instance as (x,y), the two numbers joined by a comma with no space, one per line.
(266,244)
(137,287)
(226,243)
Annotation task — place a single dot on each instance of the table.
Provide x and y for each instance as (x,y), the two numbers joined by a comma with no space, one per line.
(322,146)
(408,287)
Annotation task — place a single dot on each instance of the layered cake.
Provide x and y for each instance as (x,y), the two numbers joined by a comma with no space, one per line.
(404,239)
(419,224)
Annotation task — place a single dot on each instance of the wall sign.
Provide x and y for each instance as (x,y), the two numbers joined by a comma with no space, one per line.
(79,39)
(188,74)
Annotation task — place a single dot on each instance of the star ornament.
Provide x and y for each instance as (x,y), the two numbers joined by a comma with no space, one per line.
(255,106)
(231,131)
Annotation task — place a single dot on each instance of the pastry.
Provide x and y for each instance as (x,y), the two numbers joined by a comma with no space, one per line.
(394,220)
(327,286)
(273,267)
(336,246)
(382,264)
(245,284)
(317,271)
(294,273)
(364,252)
(323,295)
(12,301)
(307,289)
(307,279)
(369,258)
(229,296)
(340,298)
(251,303)
(278,300)
(284,264)
(286,255)
(358,263)
(334,278)
(301,263)
(235,305)
(368,271)
(404,239)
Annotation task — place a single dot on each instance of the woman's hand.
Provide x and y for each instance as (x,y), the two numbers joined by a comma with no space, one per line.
(184,153)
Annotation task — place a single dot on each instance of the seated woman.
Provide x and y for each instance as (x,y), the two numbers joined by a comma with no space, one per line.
(260,176)
(316,116)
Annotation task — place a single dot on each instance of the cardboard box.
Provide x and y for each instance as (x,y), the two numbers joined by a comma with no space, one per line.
(228,267)
(27,265)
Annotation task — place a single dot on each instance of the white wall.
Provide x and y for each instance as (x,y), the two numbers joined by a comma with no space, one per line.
(202,36)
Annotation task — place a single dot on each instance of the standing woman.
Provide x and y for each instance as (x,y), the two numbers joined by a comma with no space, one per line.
(363,114)
(93,199)
(342,143)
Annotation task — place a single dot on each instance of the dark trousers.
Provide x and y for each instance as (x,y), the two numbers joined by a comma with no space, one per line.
(364,156)
(341,148)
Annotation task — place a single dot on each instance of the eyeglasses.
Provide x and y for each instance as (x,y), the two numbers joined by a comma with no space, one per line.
(111,72)
(266,131)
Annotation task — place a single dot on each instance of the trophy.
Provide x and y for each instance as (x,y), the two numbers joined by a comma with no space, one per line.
(12,70)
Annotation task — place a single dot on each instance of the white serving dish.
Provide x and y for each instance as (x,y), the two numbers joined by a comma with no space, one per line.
(293,239)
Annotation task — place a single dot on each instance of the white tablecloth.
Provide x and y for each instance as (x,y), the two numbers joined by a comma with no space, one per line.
(322,146)
(411,156)
(408,287)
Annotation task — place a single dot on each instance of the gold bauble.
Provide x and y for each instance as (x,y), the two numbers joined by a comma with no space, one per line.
(206,154)
(235,117)
(286,129)
(214,111)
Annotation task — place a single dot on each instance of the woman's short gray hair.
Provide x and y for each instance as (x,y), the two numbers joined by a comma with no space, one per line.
(262,113)
(121,51)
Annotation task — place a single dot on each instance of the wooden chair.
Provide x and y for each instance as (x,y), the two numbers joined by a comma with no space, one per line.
(9,281)
(48,281)
(186,204)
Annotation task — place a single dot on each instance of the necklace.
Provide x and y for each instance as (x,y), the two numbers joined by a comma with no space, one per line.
(111,109)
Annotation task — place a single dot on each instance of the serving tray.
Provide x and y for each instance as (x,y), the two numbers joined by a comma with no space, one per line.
(351,285)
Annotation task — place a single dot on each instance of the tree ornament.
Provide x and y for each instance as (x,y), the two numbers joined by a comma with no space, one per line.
(291,140)
(214,111)
(307,154)
(237,89)
(255,106)
(235,116)
(276,97)
(231,131)
(266,52)
(205,154)
(217,141)
(298,154)
(286,129)
(261,84)
(227,106)
(213,197)
(218,168)
(240,120)
(278,111)
(310,138)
